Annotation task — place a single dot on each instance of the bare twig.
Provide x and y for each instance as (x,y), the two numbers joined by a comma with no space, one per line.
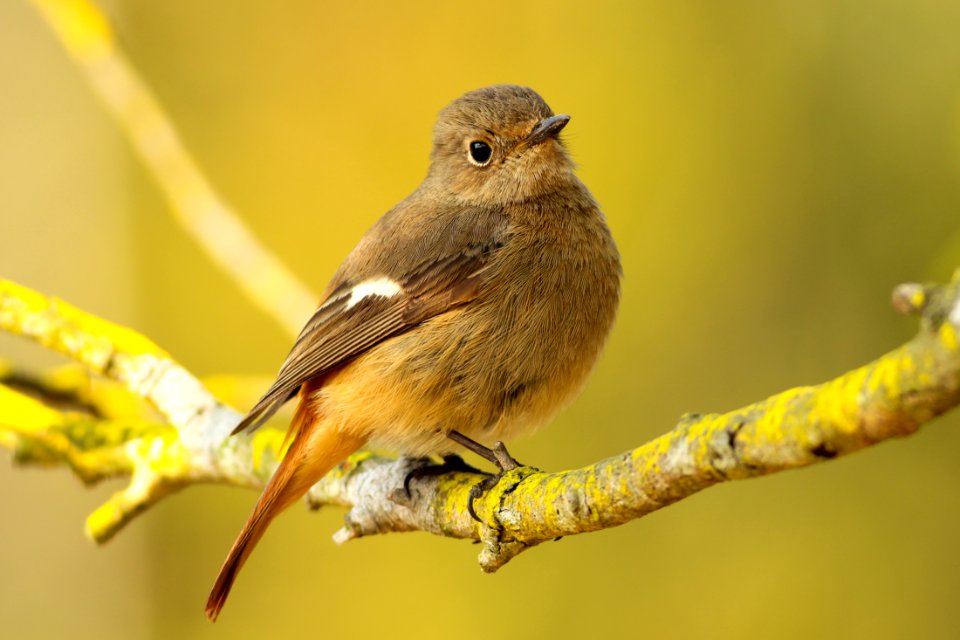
(90,41)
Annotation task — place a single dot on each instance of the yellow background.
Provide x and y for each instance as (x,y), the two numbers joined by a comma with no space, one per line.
(770,171)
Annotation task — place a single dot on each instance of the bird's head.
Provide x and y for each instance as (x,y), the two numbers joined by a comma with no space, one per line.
(498,145)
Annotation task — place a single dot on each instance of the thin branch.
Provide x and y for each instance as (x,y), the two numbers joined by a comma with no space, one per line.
(90,41)
(72,387)
(114,352)
(64,393)
(890,397)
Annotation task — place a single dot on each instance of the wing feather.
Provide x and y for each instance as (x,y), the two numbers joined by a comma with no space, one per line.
(339,331)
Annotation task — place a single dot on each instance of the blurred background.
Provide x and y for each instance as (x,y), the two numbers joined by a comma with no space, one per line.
(770,171)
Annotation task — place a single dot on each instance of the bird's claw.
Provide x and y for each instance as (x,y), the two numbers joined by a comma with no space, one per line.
(506,463)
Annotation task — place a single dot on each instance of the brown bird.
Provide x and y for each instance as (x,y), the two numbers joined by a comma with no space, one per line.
(472,310)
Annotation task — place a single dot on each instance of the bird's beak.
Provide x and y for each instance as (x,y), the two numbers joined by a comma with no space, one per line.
(547,128)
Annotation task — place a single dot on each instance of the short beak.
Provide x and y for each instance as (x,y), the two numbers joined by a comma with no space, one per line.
(547,128)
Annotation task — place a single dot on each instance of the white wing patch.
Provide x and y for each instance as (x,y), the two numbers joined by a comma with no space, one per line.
(383,287)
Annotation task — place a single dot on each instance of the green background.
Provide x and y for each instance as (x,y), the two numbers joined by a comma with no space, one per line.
(770,171)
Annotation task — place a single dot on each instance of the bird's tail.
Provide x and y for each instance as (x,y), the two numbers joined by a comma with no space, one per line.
(315,449)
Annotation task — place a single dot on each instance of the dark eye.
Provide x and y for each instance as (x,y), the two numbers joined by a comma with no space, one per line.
(480,152)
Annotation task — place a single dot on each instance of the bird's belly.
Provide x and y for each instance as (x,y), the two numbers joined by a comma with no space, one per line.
(490,384)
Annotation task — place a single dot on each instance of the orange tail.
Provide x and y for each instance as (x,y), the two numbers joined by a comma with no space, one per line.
(316,448)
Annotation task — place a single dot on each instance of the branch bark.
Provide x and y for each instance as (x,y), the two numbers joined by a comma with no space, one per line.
(889,397)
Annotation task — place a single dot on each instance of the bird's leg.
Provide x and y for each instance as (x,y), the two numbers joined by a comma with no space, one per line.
(498,456)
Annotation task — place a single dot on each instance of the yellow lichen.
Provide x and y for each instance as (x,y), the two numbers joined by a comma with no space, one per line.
(63,327)
(23,415)
(267,440)
(918,299)
(948,336)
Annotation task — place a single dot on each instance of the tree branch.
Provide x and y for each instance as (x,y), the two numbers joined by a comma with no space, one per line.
(89,39)
(890,397)
(192,447)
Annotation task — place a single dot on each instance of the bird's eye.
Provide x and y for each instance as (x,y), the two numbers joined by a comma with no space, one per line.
(480,153)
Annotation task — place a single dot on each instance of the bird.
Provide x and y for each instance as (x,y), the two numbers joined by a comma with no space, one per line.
(470,312)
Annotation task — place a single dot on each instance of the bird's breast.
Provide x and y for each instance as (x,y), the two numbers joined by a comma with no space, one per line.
(506,361)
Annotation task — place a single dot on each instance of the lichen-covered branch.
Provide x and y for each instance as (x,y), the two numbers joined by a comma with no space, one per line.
(89,39)
(890,397)
(73,387)
(114,352)
(192,445)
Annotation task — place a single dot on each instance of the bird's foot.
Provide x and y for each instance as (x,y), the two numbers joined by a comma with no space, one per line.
(505,462)
(498,455)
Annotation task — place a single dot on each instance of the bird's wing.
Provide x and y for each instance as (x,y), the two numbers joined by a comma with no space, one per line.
(392,298)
